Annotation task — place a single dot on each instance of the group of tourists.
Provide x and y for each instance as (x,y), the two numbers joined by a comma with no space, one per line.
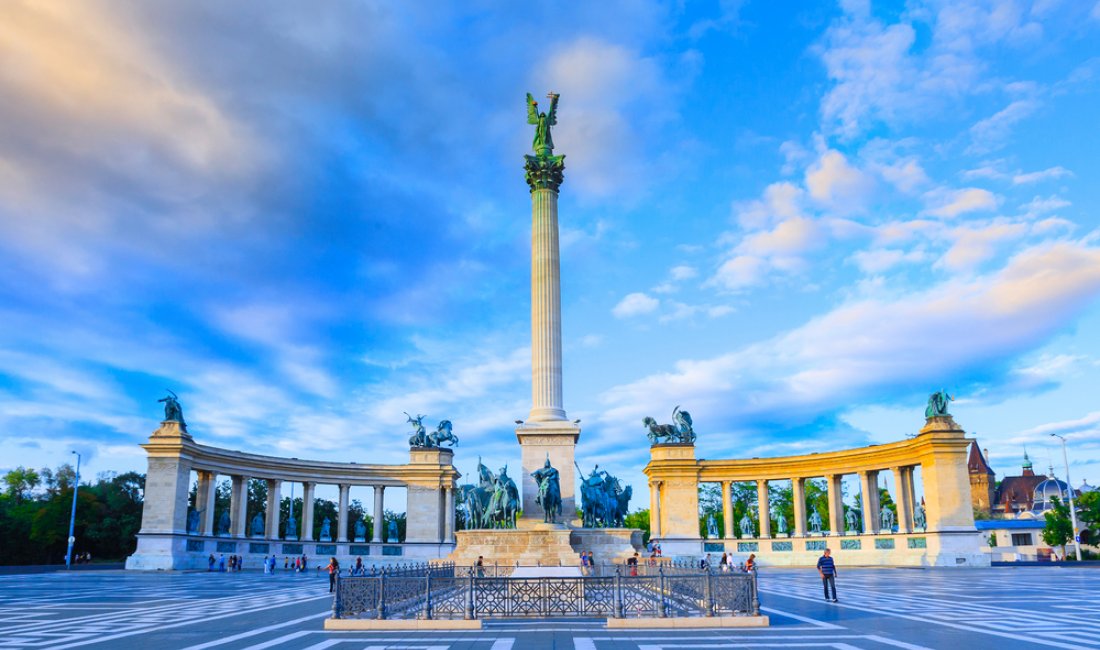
(236,563)
(587,562)
(726,564)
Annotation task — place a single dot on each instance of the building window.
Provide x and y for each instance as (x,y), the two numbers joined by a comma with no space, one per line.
(1021,539)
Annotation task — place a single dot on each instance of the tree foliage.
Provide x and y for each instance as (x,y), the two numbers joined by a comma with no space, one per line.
(1058,530)
(36,505)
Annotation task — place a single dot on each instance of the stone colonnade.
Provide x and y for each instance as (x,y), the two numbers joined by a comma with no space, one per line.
(165,542)
(939,450)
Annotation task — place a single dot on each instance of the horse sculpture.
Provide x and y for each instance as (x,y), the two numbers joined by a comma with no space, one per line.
(681,431)
(442,434)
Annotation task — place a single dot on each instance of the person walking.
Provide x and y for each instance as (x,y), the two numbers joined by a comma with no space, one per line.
(480,567)
(750,564)
(333,570)
(827,568)
(633,564)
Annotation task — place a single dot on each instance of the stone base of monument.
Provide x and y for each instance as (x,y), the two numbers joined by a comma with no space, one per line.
(535,543)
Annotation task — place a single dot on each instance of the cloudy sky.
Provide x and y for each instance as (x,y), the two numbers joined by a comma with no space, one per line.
(306,218)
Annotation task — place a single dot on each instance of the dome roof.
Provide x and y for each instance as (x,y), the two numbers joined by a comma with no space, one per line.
(1085,487)
(1050,487)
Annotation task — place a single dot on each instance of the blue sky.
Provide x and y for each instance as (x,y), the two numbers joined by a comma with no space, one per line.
(794,221)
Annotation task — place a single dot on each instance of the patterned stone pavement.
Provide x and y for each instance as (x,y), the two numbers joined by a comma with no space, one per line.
(1028,607)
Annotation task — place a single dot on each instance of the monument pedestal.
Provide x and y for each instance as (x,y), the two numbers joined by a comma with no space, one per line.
(515,546)
(556,440)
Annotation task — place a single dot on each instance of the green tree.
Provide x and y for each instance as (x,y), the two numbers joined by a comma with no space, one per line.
(1088,516)
(639,519)
(1059,529)
(20,483)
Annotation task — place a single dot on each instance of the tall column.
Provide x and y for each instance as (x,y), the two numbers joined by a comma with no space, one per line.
(379,513)
(274,501)
(655,517)
(448,515)
(798,492)
(307,511)
(206,497)
(911,494)
(546,393)
(763,507)
(727,510)
(902,499)
(239,507)
(836,504)
(342,514)
(867,488)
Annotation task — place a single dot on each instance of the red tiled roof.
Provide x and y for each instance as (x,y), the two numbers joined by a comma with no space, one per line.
(976,463)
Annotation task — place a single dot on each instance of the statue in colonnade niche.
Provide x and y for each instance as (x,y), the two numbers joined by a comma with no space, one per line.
(919,517)
(815,520)
(937,404)
(712,527)
(746,526)
(257,525)
(291,526)
(886,518)
(391,532)
(682,431)
(781,523)
(193,520)
(326,530)
(224,523)
(360,530)
(852,519)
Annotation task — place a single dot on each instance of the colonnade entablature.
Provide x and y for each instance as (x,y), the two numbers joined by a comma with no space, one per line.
(938,450)
(172,531)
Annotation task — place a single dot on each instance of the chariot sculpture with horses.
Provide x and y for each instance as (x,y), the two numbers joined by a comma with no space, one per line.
(421,438)
(679,432)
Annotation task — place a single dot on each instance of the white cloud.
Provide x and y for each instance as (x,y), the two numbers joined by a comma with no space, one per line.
(1040,206)
(1035,177)
(635,304)
(993,132)
(871,347)
(884,259)
(835,183)
(739,272)
(780,201)
(976,244)
(683,272)
(954,203)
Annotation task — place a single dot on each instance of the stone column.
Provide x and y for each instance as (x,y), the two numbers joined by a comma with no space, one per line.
(206,496)
(546,393)
(274,501)
(836,504)
(239,507)
(449,515)
(167,488)
(307,511)
(379,513)
(876,500)
(727,511)
(903,500)
(763,507)
(655,516)
(911,492)
(342,514)
(798,492)
(867,488)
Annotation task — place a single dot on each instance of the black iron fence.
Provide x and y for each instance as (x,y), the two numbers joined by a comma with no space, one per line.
(444,592)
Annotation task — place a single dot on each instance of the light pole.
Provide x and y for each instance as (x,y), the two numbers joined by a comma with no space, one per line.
(1072,507)
(72,517)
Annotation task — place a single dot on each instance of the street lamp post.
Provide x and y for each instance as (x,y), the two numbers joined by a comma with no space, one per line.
(1072,507)
(72,517)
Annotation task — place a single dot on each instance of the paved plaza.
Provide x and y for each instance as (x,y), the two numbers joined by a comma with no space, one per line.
(879,608)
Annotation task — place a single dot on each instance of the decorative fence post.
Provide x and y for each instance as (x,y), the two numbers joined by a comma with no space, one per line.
(661,593)
(708,592)
(470,596)
(617,596)
(428,604)
(755,597)
(382,595)
(337,604)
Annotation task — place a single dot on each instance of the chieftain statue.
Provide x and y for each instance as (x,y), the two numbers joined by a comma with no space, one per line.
(549,496)
(937,405)
(173,412)
(421,438)
(223,524)
(886,519)
(919,517)
(815,520)
(712,527)
(604,501)
(746,526)
(852,519)
(493,502)
(258,525)
(681,431)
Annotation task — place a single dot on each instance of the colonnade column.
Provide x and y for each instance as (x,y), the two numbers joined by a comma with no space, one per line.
(911,490)
(448,515)
(798,493)
(866,488)
(903,500)
(307,511)
(342,514)
(379,514)
(655,516)
(836,504)
(274,501)
(238,507)
(207,495)
(763,507)
(727,510)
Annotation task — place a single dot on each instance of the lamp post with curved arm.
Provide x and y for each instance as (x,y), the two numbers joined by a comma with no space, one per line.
(1072,507)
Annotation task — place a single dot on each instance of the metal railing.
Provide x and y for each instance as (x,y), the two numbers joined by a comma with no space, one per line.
(444,592)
